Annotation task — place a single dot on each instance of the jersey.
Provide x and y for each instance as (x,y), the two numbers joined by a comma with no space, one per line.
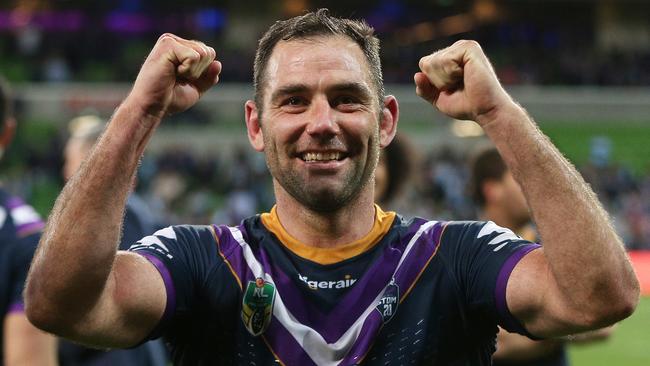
(410,292)
(20,228)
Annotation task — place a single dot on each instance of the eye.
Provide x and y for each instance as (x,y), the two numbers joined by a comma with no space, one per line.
(347,103)
(294,101)
(346,99)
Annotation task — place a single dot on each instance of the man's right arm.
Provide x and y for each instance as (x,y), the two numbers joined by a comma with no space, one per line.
(79,286)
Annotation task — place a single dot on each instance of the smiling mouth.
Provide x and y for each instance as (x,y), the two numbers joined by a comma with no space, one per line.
(324,156)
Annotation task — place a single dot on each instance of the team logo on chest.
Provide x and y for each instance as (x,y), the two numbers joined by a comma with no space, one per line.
(387,306)
(257,306)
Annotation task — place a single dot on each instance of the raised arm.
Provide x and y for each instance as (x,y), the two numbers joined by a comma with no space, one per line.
(582,278)
(78,287)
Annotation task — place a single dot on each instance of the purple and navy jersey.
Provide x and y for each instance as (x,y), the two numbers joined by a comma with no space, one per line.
(410,292)
(20,228)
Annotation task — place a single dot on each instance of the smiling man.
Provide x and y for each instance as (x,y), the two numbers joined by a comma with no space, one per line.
(327,277)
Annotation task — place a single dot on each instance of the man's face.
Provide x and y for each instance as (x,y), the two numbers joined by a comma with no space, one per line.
(320,123)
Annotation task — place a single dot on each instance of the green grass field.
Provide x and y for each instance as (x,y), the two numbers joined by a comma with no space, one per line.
(628,346)
(630,141)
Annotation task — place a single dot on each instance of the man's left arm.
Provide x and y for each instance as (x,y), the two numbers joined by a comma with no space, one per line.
(581,279)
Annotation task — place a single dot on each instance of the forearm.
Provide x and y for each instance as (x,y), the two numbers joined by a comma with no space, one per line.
(586,258)
(77,249)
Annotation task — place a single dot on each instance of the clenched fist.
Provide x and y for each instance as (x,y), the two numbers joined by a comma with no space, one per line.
(460,82)
(175,75)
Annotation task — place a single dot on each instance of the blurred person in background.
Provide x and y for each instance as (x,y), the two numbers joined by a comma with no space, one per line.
(393,174)
(84,132)
(501,200)
(20,227)
(326,277)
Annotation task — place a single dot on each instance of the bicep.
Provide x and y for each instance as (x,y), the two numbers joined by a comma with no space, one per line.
(536,301)
(24,344)
(131,305)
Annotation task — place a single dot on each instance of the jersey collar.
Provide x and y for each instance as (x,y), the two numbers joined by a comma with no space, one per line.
(383,222)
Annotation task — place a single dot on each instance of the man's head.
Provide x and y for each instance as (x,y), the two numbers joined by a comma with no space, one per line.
(317,116)
(7,120)
(84,131)
(495,190)
(316,25)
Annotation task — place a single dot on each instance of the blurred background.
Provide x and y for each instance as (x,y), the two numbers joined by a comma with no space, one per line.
(580,67)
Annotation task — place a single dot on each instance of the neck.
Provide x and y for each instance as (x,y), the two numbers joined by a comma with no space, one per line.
(326,229)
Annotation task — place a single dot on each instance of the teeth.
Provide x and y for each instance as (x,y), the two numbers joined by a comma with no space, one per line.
(321,156)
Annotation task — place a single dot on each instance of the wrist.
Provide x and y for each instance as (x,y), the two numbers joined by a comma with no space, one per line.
(502,113)
(132,126)
(136,115)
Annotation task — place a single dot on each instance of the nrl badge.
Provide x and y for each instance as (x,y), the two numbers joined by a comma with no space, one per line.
(388,303)
(257,306)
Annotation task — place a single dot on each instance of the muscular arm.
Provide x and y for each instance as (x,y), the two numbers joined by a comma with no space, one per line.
(25,345)
(78,287)
(582,278)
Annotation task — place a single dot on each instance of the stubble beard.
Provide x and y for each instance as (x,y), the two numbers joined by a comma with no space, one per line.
(329,199)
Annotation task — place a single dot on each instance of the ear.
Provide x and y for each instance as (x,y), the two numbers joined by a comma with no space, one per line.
(388,123)
(8,132)
(255,133)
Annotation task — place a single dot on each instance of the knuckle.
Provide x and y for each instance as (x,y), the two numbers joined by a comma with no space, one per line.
(426,62)
(200,50)
(421,63)
(165,37)
(469,43)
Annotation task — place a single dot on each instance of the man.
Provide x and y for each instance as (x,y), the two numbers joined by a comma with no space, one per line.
(502,201)
(326,277)
(84,131)
(20,226)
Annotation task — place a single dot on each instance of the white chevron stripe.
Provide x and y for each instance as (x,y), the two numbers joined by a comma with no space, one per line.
(503,238)
(321,352)
(150,240)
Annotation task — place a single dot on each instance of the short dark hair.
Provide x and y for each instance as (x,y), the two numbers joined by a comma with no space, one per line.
(311,25)
(6,101)
(487,165)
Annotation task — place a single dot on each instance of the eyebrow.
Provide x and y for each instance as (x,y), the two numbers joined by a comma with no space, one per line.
(351,87)
(290,89)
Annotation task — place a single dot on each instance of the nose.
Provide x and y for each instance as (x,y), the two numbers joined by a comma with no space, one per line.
(322,119)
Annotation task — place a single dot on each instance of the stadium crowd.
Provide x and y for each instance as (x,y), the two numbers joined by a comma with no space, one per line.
(58,45)
(185,186)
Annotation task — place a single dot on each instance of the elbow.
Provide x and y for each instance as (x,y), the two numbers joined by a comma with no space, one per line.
(38,314)
(626,298)
(613,306)
(41,312)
